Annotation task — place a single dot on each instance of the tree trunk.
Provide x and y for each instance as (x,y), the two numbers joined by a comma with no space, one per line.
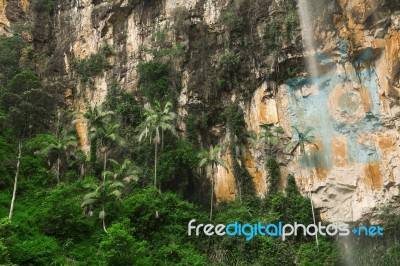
(313,215)
(105,162)
(15,180)
(212,193)
(155,166)
(302,150)
(82,171)
(58,169)
(93,151)
(162,141)
(104,221)
(104,182)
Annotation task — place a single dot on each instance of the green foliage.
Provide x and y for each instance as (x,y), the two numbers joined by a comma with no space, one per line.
(236,126)
(176,164)
(6,153)
(282,25)
(155,82)
(37,250)
(194,124)
(326,254)
(301,139)
(166,230)
(121,248)
(10,54)
(130,111)
(28,107)
(106,50)
(60,214)
(90,67)
(43,6)
(291,186)
(98,121)
(182,23)
(235,120)
(229,63)
(274,176)
(231,20)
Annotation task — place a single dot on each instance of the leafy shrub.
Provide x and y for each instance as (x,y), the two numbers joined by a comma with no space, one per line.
(90,67)
(231,20)
(61,216)
(154,81)
(274,176)
(176,164)
(43,6)
(37,250)
(10,54)
(229,63)
(106,50)
(121,248)
(181,22)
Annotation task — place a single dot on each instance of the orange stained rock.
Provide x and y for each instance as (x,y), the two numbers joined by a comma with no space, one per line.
(225,181)
(373,176)
(257,175)
(365,99)
(322,173)
(386,142)
(3,19)
(24,5)
(82,131)
(339,152)
(391,46)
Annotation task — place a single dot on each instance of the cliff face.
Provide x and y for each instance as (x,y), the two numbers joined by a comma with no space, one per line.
(250,53)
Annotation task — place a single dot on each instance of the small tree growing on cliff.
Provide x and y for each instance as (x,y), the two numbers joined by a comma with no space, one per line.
(211,158)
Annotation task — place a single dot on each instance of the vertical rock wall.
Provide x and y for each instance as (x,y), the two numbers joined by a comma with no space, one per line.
(354,111)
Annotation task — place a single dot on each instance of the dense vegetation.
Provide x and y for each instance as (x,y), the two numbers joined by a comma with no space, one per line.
(128,199)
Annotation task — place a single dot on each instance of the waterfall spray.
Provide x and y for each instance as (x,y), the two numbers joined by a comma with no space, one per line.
(307,27)
(306,23)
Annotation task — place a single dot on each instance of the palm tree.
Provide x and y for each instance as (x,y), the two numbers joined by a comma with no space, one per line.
(95,117)
(79,160)
(107,133)
(126,171)
(270,135)
(211,158)
(157,121)
(59,145)
(303,139)
(119,175)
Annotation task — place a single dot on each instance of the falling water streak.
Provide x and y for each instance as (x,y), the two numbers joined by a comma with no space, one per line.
(307,26)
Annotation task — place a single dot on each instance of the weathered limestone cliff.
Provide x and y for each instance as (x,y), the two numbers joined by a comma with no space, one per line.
(251,53)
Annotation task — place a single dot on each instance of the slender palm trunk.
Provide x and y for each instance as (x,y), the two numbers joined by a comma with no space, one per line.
(82,171)
(313,215)
(162,141)
(105,163)
(212,193)
(302,150)
(58,169)
(93,151)
(155,165)
(15,180)
(104,221)
(104,182)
